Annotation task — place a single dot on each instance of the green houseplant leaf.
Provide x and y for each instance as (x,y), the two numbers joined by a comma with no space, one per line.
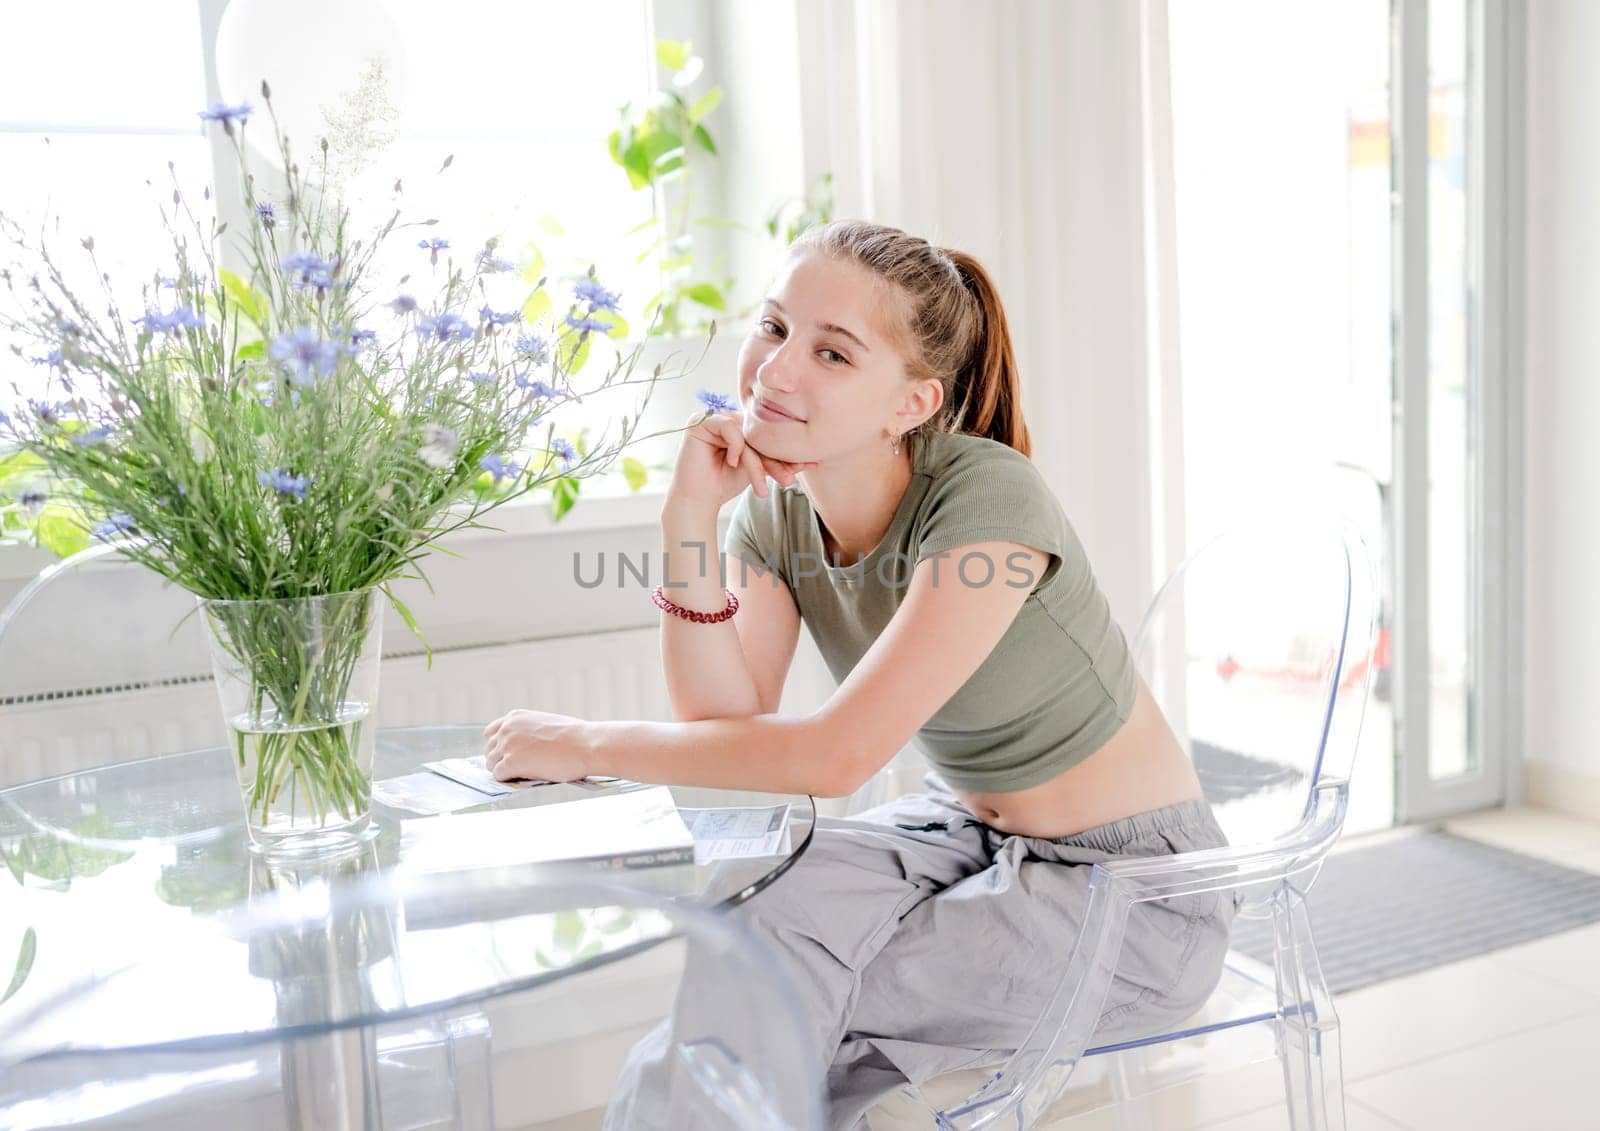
(24,966)
(673,55)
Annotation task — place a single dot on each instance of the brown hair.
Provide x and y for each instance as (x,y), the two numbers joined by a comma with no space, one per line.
(951,312)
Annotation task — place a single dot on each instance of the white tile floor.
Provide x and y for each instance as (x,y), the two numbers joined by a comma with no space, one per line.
(1510,1039)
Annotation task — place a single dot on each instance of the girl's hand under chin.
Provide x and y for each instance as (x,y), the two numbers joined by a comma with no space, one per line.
(716,462)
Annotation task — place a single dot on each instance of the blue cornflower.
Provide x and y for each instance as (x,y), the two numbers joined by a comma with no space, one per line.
(354,341)
(433,247)
(482,378)
(538,388)
(405,304)
(590,291)
(267,214)
(5,418)
(92,437)
(183,318)
(566,451)
(496,319)
(53,358)
(227,115)
(282,482)
(445,328)
(716,402)
(305,354)
(499,468)
(309,269)
(535,347)
(50,413)
(588,324)
(492,264)
(114,525)
(172,284)
(32,500)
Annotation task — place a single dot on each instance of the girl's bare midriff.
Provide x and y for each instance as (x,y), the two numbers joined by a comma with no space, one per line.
(1140,768)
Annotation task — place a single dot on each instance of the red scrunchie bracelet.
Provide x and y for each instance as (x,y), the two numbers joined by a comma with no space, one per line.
(666,605)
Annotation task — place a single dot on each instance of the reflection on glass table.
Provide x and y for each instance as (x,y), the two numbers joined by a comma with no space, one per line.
(153,949)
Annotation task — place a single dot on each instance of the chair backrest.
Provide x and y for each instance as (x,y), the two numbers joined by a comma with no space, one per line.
(498,997)
(100,661)
(1259,649)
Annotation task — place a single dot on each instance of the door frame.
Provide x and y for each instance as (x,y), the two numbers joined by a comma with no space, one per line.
(1495,116)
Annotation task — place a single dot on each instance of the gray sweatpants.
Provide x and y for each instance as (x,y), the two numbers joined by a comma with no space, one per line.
(924,941)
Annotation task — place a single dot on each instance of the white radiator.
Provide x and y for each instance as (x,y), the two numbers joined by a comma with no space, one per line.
(604,676)
(608,675)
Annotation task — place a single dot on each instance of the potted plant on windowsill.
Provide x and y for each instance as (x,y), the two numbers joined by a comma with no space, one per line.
(663,146)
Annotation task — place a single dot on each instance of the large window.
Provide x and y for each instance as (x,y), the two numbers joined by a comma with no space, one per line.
(103,96)
(521,97)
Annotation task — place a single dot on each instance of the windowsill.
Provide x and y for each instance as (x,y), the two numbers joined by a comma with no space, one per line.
(604,503)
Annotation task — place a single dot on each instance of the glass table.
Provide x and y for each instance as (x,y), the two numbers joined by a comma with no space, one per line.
(135,878)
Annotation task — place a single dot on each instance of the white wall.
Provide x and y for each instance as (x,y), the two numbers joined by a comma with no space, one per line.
(1563,405)
(1019,132)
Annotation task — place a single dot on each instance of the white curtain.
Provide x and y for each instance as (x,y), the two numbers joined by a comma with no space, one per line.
(1036,135)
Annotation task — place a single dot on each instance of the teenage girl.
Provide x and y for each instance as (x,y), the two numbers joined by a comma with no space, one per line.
(955,606)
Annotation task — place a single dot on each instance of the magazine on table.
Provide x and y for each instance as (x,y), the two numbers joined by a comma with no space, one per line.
(635,829)
(738,833)
(474,773)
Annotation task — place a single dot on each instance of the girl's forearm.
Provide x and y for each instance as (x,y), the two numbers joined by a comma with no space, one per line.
(765,753)
(707,674)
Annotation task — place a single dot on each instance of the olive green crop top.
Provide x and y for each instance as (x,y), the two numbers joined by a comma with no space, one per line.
(1060,682)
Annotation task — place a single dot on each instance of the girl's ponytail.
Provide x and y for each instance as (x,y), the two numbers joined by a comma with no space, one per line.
(988,390)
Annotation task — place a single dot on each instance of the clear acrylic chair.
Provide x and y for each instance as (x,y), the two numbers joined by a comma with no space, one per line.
(493,998)
(76,654)
(1258,649)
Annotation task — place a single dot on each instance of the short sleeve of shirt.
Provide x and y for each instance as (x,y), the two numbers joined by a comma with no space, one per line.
(1001,498)
(755,535)
(740,541)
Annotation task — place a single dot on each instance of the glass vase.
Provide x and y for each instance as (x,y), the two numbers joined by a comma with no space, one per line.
(298,682)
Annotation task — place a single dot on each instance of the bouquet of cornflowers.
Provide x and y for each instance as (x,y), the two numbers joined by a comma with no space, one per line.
(270,428)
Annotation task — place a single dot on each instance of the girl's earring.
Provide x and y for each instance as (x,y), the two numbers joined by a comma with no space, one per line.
(894,449)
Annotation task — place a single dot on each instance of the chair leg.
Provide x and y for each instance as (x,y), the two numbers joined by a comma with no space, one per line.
(471,1068)
(1307,1027)
(1130,1091)
(435,1072)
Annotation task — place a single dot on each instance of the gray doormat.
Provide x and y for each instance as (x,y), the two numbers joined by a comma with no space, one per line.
(1230,775)
(1420,901)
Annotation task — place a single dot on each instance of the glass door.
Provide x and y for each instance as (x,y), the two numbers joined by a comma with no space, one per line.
(1334,349)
